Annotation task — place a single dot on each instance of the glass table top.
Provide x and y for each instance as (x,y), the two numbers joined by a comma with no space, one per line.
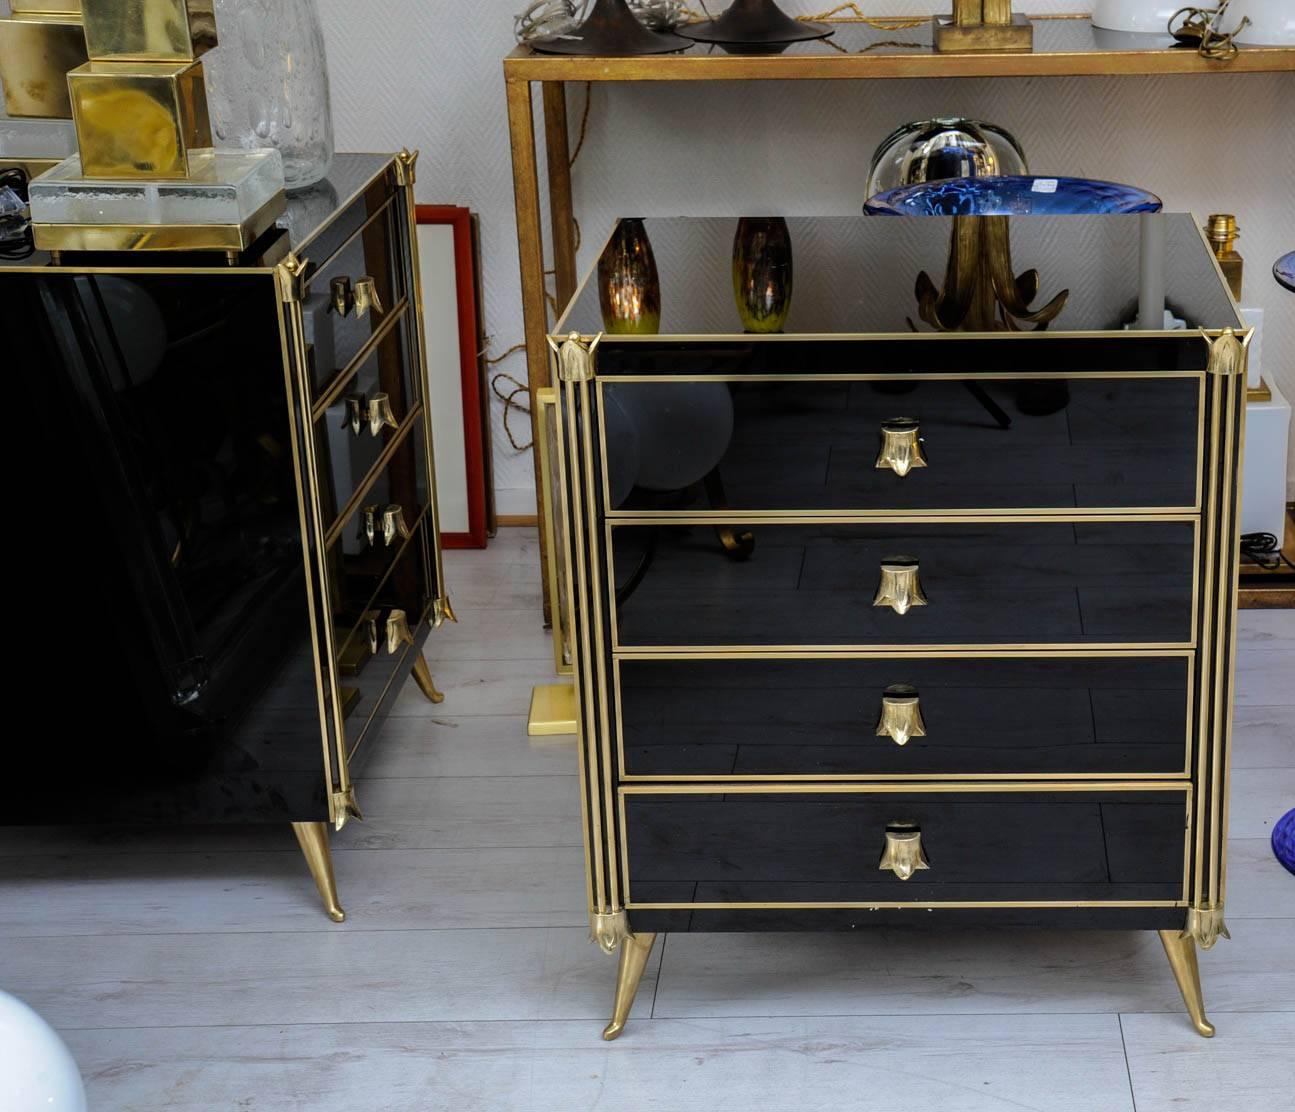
(858,274)
(904,37)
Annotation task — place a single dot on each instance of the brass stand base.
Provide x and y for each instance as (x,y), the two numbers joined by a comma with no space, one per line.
(553,710)
(427,685)
(635,951)
(984,38)
(1181,951)
(313,839)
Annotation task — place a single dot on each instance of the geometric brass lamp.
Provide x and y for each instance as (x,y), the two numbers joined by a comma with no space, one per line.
(146,176)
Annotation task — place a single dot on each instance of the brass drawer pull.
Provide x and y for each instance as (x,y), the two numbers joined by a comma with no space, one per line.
(903,854)
(369,524)
(901,715)
(901,586)
(393,525)
(901,447)
(371,626)
(340,296)
(358,409)
(366,297)
(380,414)
(360,298)
(398,631)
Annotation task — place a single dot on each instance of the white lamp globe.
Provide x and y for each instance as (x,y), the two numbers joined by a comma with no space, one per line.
(1147,16)
(37,1072)
(1272,22)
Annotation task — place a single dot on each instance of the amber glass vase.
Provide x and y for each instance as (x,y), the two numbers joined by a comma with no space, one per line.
(762,273)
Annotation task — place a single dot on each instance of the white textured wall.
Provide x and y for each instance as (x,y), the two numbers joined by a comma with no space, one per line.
(427,73)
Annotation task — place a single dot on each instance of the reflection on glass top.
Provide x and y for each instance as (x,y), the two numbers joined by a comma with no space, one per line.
(1051,36)
(859,274)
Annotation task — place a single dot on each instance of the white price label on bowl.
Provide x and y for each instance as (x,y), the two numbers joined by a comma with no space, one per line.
(1045,185)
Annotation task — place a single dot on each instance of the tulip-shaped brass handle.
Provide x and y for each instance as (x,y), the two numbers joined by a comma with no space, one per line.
(393,525)
(903,854)
(901,447)
(901,586)
(357,412)
(371,627)
(398,631)
(901,714)
(369,524)
(366,297)
(380,414)
(341,297)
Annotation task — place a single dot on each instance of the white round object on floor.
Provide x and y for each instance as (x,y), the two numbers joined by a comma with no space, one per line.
(1272,22)
(1133,15)
(37,1071)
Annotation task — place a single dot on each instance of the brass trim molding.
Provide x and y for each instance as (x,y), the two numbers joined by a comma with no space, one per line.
(1205,926)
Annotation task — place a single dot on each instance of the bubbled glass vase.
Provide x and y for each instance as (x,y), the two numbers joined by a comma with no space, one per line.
(267,84)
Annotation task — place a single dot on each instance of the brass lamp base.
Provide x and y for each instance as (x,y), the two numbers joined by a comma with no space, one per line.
(755,23)
(983,38)
(160,237)
(611,29)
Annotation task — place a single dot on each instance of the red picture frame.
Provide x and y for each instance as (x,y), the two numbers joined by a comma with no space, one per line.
(460,220)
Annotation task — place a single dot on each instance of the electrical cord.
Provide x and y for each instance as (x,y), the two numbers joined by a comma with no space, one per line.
(1265,550)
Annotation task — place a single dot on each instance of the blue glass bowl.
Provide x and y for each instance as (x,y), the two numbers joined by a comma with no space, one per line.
(1284,271)
(1284,840)
(1012,196)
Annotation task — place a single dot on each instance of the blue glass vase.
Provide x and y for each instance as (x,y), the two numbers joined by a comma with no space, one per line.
(1284,840)
(1012,196)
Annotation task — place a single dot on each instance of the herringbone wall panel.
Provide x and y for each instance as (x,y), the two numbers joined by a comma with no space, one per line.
(428,74)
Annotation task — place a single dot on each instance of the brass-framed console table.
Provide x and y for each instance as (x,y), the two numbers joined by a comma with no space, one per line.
(1063,47)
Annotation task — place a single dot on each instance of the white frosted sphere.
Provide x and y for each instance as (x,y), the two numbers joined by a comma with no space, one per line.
(37,1072)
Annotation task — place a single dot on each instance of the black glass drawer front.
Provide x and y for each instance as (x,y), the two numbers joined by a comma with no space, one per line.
(351,435)
(1019,583)
(369,654)
(350,297)
(818,848)
(1050,716)
(375,534)
(984,444)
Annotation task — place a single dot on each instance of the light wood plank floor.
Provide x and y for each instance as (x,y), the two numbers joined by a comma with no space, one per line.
(193,969)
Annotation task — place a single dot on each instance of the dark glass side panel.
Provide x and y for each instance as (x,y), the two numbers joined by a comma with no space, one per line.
(335,338)
(812,848)
(992,583)
(171,462)
(981,717)
(348,450)
(988,444)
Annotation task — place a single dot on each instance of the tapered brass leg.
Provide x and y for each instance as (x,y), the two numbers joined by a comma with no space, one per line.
(635,951)
(313,839)
(1181,951)
(423,677)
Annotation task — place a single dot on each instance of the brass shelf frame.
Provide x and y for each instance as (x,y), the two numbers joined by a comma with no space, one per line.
(1053,56)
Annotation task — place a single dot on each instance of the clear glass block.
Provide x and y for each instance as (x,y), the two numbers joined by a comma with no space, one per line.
(267,84)
(36,138)
(226,187)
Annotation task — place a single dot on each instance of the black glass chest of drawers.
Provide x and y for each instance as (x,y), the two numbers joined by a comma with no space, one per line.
(235,468)
(874,624)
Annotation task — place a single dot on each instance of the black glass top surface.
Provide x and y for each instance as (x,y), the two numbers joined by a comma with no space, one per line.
(858,274)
